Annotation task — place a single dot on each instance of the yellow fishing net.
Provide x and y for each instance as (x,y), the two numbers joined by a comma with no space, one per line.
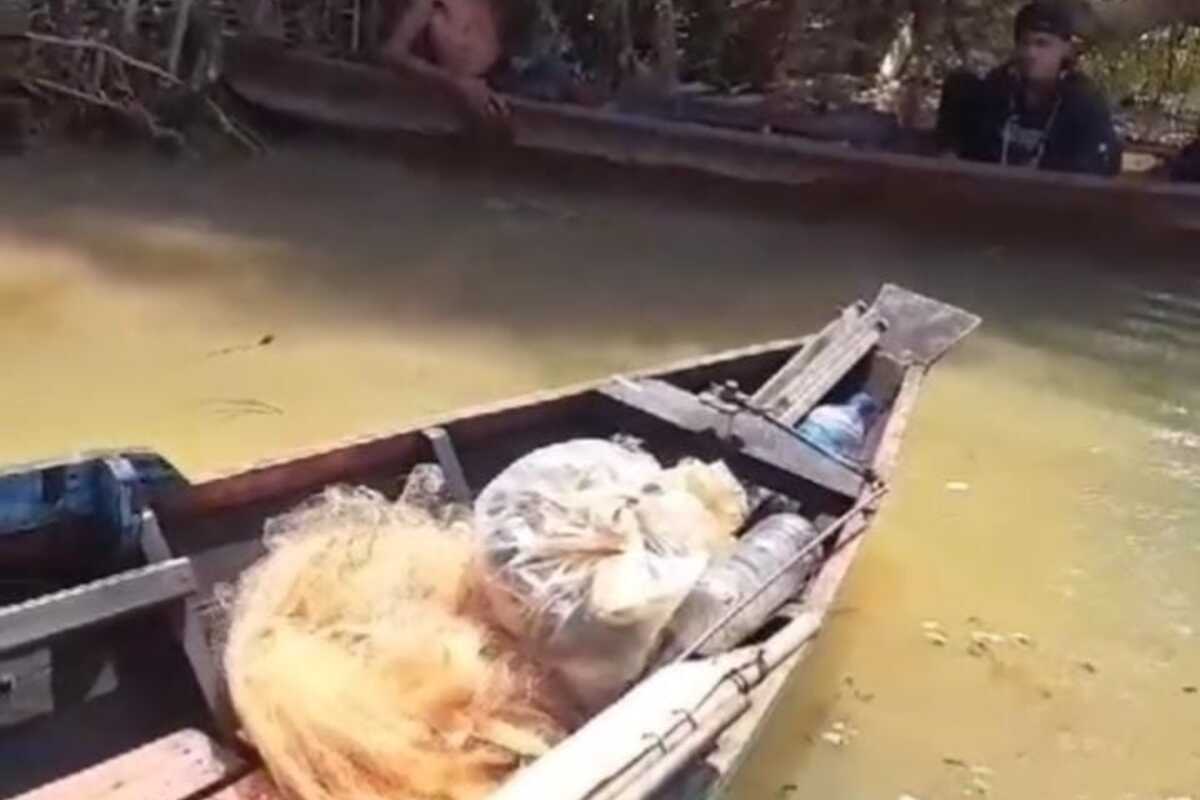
(358,668)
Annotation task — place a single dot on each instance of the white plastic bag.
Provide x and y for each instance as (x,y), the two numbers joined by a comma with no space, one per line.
(589,547)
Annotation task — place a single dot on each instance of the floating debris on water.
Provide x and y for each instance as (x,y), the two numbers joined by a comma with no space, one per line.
(839,734)
(987,637)
(860,695)
(263,341)
(978,787)
(934,633)
(234,407)
(835,739)
(983,641)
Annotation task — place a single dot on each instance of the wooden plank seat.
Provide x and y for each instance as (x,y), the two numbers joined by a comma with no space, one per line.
(181,765)
(255,785)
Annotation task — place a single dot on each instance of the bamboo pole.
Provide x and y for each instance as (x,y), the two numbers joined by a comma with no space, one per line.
(731,698)
(661,724)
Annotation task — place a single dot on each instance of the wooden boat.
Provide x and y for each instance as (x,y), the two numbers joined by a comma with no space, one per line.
(110,685)
(358,97)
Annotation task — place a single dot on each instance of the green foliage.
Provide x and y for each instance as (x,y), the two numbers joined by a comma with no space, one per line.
(720,42)
(1160,68)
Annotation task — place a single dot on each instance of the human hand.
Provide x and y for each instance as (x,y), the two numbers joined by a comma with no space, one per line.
(481,101)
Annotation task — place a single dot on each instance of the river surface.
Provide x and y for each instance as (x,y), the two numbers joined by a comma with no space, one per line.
(1023,622)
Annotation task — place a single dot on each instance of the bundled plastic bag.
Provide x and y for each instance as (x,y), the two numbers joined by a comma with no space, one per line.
(588,549)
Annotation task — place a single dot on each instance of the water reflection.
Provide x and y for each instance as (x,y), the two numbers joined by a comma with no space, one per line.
(1023,625)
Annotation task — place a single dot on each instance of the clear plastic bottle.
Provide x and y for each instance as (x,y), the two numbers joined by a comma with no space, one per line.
(759,553)
(840,430)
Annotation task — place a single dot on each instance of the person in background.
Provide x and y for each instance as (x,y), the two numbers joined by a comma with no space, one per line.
(1185,166)
(1035,111)
(476,49)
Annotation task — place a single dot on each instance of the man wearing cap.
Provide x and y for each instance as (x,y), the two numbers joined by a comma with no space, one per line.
(1036,111)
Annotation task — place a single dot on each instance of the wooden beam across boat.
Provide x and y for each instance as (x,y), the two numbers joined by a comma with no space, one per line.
(754,435)
(359,97)
(107,600)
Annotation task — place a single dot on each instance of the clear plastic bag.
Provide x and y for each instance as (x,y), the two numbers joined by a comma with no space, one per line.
(588,549)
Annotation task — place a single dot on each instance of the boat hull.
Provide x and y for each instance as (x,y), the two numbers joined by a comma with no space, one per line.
(149,659)
(360,98)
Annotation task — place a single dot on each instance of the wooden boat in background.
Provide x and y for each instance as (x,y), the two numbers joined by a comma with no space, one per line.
(710,138)
(110,684)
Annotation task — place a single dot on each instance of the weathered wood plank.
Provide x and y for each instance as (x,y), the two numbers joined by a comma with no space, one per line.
(921,329)
(255,786)
(49,616)
(755,437)
(820,366)
(774,386)
(175,767)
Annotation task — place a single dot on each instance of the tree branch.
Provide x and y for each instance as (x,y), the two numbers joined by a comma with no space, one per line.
(1120,20)
(91,44)
(122,59)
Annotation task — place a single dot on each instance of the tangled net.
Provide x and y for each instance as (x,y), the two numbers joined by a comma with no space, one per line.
(358,667)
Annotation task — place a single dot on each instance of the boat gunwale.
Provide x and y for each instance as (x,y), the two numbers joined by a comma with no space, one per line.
(530,117)
(825,587)
(249,483)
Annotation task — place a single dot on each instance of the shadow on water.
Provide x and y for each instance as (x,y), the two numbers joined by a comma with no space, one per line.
(582,252)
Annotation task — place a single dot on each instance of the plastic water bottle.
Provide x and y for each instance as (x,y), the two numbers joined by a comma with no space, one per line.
(839,430)
(726,583)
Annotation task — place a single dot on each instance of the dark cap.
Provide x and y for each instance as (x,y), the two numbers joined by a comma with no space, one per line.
(1042,16)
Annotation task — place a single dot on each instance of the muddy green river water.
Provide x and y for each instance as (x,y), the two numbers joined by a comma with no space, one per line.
(1023,623)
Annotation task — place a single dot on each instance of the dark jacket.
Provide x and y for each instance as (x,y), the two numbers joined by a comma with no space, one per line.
(986,120)
(1186,165)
